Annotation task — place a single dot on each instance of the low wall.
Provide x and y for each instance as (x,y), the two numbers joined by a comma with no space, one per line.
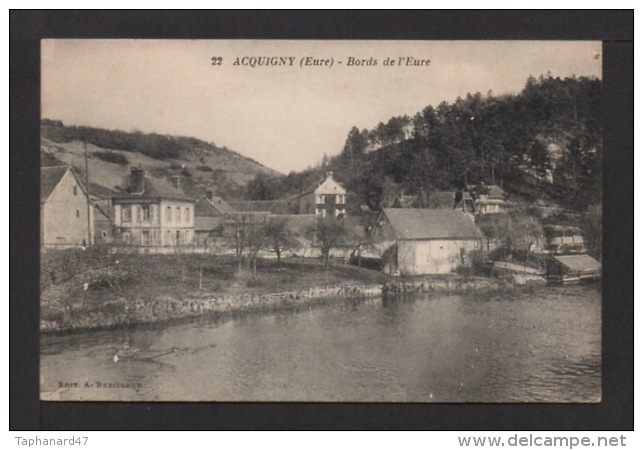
(122,312)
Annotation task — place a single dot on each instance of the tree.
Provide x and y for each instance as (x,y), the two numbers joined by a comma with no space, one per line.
(279,235)
(256,241)
(329,233)
(241,224)
(494,227)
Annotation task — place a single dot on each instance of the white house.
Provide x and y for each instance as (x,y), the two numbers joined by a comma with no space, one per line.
(326,198)
(153,212)
(64,209)
(425,241)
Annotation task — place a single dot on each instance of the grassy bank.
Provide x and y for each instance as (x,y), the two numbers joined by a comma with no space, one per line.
(93,289)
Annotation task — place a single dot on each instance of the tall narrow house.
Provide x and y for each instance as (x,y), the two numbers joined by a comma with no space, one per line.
(64,209)
(153,212)
(326,198)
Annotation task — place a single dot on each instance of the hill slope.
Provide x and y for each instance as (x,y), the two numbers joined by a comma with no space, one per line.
(201,165)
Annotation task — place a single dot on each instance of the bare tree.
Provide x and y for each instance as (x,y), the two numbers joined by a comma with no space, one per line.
(241,224)
(256,240)
(329,233)
(279,235)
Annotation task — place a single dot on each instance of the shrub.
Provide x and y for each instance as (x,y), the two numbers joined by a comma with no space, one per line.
(112,157)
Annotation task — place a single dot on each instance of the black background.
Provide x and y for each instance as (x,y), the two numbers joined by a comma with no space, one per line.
(615,28)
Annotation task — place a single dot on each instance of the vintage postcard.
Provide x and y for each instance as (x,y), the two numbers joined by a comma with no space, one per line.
(325,221)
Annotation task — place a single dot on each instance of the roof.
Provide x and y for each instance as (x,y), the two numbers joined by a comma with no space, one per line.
(313,187)
(155,188)
(496,192)
(417,224)
(212,207)
(440,199)
(578,262)
(266,206)
(49,179)
(202,223)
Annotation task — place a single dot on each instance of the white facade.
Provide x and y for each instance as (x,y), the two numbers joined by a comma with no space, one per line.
(328,199)
(161,222)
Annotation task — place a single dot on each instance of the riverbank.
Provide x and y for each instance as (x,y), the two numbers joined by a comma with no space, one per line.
(87,290)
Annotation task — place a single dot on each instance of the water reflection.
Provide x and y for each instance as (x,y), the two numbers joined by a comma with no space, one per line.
(542,347)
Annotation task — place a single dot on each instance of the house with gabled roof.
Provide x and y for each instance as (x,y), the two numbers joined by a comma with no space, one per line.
(425,241)
(325,198)
(153,212)
(489,199)
(64,209)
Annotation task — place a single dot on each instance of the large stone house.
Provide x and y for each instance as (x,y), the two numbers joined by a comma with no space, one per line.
(425,241)
(153,212)
(326,198)
(64,206)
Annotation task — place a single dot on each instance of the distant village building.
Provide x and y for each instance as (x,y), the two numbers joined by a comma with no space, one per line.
(464,202)
(262,206)
(153,212)
(210,216)
(326,198)
(64,207)
(489,199)
(563,239)
(425,241)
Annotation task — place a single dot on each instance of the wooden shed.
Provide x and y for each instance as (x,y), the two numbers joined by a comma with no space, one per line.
(566,269)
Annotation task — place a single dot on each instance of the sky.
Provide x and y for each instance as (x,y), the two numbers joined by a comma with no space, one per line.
(284,116)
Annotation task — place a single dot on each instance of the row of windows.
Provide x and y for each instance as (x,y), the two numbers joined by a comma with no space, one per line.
(145,213)
(339,198)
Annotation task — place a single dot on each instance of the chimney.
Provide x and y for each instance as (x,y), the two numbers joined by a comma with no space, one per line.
(209,194)
(137,180)
(176,181)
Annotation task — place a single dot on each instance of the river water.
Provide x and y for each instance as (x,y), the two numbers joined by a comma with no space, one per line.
(542,346)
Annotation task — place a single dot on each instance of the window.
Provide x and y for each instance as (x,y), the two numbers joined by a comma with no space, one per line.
(126,214)
(145,212)
(168,214)
(75,190)
(77,213)
(177,217)
(186,215)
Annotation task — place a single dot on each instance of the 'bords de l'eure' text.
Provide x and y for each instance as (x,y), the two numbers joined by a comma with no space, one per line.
(311,61)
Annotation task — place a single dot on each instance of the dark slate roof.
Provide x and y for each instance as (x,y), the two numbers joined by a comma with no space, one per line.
(417,224)
(265,206)
(212,208)
(579,262)
(207,223)
(441,199)
(155,188)
(49,179)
